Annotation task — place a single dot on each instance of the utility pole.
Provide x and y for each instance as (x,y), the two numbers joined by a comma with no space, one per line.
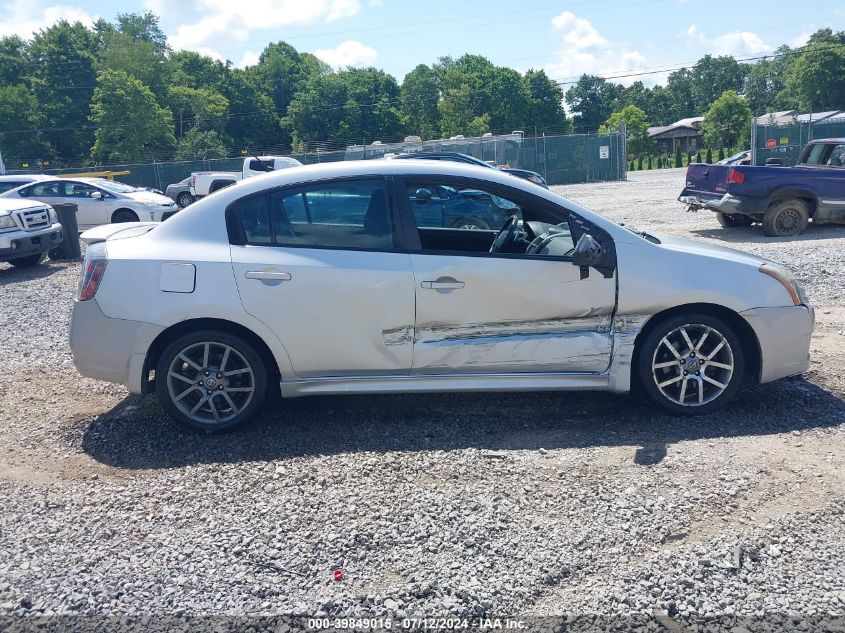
(2,165)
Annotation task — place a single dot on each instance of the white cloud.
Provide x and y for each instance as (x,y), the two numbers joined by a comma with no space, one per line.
(581,52)
(737,43)
(26,17)
(235,20)
(577,32)
(348,53)
(249,59)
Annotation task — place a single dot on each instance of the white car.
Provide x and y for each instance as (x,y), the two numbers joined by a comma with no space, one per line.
(345,278)
(100,201)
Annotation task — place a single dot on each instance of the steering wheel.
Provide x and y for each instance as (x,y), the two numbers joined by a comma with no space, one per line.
(506,235)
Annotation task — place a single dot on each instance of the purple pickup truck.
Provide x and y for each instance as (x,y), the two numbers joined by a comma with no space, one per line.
(782,199)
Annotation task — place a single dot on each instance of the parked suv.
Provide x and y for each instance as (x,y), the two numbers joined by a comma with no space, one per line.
(28,229)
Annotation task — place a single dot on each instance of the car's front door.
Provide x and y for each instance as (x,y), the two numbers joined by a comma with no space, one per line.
(322,266)
(482,312)
(92,203)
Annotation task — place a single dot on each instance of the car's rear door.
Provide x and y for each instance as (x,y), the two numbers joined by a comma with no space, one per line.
(481,312)
(93,210)
(324,267)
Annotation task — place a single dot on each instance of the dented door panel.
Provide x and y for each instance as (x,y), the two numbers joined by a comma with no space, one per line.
(510,315)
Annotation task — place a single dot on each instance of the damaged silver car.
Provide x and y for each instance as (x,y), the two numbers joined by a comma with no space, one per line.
(353,278)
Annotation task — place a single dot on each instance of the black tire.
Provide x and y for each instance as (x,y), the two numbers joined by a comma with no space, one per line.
(209,380)
(655,382)
(184,200)
(123,215)
(786,218)
(734,220)
(29,261)
(470,223)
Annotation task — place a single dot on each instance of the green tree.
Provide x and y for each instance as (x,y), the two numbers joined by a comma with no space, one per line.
(199,144)
(765,81)
(63,58)
(252,121)
(649,161)
(341,108)
(679,162)
(814,77)
(592,100)
(14,65)
(709,157)
(713,76)
(131,125)
(545,103)
(418,97)
(721,153)
(20,125)
(283,72)
(139,59)
(636,127)
(201,109)
(640,162)
(727,122)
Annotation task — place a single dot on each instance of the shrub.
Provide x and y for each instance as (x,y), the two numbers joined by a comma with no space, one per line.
(649,161)
(721,153)
(709,158)
(698,156)
(640,163)
(678,159)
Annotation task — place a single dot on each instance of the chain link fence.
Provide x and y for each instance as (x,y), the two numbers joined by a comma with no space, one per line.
(560,159)
(784,141)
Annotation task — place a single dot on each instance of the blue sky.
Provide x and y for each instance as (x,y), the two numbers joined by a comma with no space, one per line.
(608,37)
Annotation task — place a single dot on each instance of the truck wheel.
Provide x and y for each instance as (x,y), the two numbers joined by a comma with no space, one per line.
(29,261)
(211,381)
(470,223)
(123,215)
(786,218)
(734,220)
(184,199)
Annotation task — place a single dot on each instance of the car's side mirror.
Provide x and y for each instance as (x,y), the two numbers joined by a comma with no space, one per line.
(588,252)
(423,195)
(96,195)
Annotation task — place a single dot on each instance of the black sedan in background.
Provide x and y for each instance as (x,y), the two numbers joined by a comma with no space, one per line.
(457,157)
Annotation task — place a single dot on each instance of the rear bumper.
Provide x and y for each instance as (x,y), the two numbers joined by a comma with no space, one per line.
(784,335)
(107,349)
(726,203)
(22,243)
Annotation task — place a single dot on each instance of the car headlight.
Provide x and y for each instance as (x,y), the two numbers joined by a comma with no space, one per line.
(786,279)
(6,222)
(54,217)
(149,203)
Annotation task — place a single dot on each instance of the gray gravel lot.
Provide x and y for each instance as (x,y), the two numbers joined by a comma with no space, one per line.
(437,504)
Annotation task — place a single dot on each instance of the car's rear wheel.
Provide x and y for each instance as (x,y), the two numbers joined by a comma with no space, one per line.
(211,381)
(184,199)
(29,261)
(124,215)
(691,364)
(734,220)
(786,218)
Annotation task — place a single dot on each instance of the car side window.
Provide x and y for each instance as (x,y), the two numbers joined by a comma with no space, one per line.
(837,156)
(43,190)
(79,190)
(344,214)
(8,186)
(467,217)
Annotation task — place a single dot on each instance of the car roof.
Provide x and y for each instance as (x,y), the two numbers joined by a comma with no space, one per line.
(453,156)
(24,177)
(819,141)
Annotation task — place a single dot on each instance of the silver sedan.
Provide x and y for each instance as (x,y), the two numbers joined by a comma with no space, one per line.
(354,278)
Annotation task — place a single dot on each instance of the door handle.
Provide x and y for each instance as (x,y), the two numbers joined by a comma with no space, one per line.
(268,275)
(443,283)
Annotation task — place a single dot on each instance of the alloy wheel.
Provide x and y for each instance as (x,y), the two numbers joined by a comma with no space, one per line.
(210,382)
(693,365)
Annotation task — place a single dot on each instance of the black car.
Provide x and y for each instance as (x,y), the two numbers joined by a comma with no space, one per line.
(457,157)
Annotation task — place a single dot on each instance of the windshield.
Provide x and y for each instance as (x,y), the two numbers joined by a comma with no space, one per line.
(114,186)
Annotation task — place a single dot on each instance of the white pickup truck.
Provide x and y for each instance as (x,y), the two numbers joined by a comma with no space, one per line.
(28,229)
(207,182)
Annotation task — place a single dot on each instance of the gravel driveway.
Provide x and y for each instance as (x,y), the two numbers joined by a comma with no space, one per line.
(468,505)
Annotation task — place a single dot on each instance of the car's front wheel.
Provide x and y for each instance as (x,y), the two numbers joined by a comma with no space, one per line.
(691,364)
(184,200)
(211,380)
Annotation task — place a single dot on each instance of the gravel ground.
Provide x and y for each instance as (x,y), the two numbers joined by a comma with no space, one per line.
(465,505)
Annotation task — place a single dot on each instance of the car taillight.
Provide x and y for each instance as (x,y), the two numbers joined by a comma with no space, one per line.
(735,177)
(93,269)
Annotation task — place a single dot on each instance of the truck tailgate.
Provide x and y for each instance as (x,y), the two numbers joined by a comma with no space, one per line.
(706,181)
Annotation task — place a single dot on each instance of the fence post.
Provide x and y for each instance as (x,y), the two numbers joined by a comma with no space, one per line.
(753,140)
(623,140)
(545,159)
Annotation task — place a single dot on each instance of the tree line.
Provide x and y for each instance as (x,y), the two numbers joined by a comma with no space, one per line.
(117,93)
